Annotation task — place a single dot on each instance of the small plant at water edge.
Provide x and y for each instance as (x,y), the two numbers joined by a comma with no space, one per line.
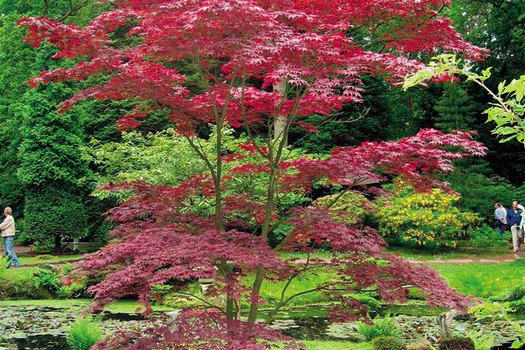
(84,333)
(380,327)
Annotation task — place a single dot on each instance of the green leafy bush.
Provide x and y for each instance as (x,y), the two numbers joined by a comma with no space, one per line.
(429,220)
(514,297)
(481,341)
(84,333)
(380,327)
(479,192)
(21,237)
(47,279)
(54,215)
(350,208)
(486,236)
(388,343)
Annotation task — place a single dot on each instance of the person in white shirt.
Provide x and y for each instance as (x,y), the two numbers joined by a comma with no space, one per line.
(8,235)
(500,217)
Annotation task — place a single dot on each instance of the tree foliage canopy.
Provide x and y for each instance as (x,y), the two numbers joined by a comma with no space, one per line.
(250,65)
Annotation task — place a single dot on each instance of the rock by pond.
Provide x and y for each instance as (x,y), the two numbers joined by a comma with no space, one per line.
(45,328)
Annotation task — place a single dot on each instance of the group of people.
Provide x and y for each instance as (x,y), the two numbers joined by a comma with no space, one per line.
(8,234)
(513,218)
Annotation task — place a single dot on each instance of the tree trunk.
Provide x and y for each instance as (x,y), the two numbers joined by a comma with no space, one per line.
(279,128)
(58,244)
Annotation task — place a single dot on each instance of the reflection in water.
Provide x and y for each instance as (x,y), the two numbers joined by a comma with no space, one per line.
(40,342)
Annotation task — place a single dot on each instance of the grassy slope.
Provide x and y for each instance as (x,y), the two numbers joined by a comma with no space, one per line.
(482,280)
(48,259)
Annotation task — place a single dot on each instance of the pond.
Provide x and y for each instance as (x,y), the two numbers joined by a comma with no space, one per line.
(45,328)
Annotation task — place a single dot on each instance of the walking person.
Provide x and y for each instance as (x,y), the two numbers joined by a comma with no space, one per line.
(500,217)
(514,221)
(8,234)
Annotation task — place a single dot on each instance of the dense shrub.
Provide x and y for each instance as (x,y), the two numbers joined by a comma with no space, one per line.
(47,279)
(54,215)
(84,333)
(380,327)
(388,343)
(21,237)
(456,344)
(350,208)
(486,236)
(424,219)
(479,192)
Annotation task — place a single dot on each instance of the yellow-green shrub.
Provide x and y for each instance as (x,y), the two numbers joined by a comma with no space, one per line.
(424,219)
(350,208)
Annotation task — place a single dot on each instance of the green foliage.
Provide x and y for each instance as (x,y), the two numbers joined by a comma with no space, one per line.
(335,345)
(490,311)
(386,113)
(455,109)
(53,215)
(40,147)
(481,341)
(497,26)
(428,220)
(47,279)
(162,158)
(486,236)
(167,158)
(350,208)
(18,284)
(388,343)
(51,150)
(508,110)
(380,327)
(479,192)
(84,333)
(515,298)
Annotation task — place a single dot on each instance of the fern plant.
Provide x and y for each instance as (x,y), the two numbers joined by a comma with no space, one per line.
(84,333)
(380,327)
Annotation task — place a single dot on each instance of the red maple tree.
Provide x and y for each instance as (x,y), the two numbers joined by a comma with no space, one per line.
(262,67)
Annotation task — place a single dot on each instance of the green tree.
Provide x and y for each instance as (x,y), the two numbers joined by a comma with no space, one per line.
(455,109)
(53,169)
(41,155)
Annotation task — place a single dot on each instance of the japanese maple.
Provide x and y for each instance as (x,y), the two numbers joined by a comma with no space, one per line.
(260,64)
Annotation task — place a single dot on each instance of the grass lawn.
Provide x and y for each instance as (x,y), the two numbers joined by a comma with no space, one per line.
(48,259)
(482,280)
(16,275)
(418,254)
(459,253)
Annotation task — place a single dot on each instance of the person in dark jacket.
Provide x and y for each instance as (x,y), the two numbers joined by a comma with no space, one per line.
(514,221)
